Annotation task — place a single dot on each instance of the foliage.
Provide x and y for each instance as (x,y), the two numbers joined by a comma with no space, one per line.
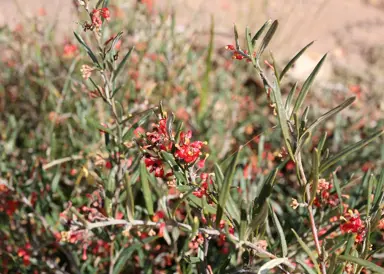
(162,156)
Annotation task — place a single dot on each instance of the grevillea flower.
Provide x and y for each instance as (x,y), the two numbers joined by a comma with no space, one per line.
(154,165)
(86,71)
(187,151)
(352,223)
(70,50)
(98,14)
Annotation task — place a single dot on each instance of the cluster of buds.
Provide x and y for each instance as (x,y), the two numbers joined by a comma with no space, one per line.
(324,197)
(239,55)
(185,152)
(352,223)
(98,14)
(7,204)
(203,188)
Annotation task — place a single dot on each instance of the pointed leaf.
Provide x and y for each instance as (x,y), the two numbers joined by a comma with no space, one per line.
(329,114)
(283,241)
(267,38)
(307,85)
(367,264)
(288,102)
(306,267)
(314,175)
(348,150)
(308,251)
(87,49)
(145,189)
(226,187)
(282,116)
(121,65)
(336,183)
(293,60)
(260,32)
(265,268)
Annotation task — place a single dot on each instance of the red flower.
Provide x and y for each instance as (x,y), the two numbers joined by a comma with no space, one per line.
(105,13)
(69,50)
(97,14)
(154,165)
(230,47)
(353,224)
(189,152)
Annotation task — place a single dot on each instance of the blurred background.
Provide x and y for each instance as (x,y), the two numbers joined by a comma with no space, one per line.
(351,30)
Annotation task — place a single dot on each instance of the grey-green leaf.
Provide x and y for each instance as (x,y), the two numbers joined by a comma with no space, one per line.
(367,264)
(308,251)
(267,38)
(293,60)
(348,150)
(145,188)
(307,85)
(226,187)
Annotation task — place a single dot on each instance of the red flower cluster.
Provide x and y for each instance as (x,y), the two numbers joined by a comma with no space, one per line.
(202,190)
(352,223)
(7,204)
(160,140)
(98,14)
(24,252)
(237,55)
(70,50)
(187,151)
(324,196)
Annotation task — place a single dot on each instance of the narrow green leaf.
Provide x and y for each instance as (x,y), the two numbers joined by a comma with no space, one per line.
(267,38)
(282,116)
(321,144)
(336,183)
(305,266)
(205,87)
(308,251)
(332,263)
(87,49)
(260,205)
(236,37)
(260,32)
(307,85)
(146,190)
(219,176)
(127,253)
(226,187)
(330,113)
(130,201)
(283,241)
(249,44)
(129,134)
(314,175)
(243,220)
(379,188)
(265,268)
(369,194)
(169,125)
(274,65)
(288,102)
(293,60)
(121,65)
(348,150)
(367,264)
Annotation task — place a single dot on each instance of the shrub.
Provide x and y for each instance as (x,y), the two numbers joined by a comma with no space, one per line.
(98,176)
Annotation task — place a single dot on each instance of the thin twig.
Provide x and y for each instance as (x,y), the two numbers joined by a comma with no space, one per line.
(61,161)
(310,213)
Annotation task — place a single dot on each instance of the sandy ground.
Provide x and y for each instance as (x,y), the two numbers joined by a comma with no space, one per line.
(345,28)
